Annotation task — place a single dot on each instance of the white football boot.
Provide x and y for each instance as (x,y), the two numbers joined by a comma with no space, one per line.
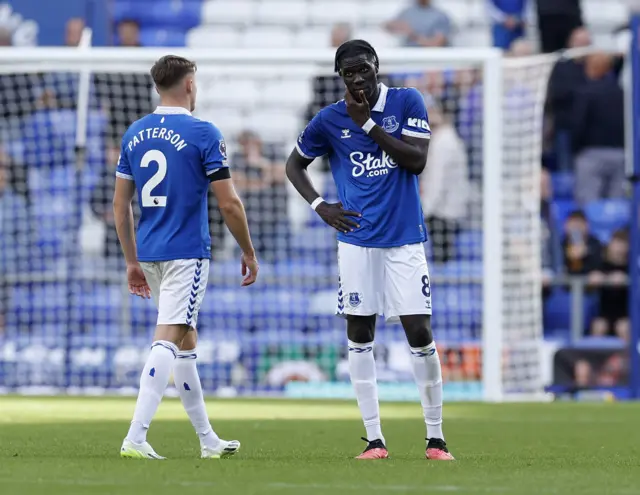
(130,450)
(222,450)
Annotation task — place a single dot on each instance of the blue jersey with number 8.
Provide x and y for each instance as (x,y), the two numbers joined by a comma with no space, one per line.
(172,157)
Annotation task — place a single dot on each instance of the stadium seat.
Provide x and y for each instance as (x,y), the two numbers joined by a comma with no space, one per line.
(162,37)
(563,184)
(607,216)
(225,12)
(378,37)
(282,12)
(561,210)
(469,245)
(313,37)
(604,13)
(160,14)
(213,37)
(275,122)
(243,93)
(327,13)
(267,37)
(378,12)
(289,93)
(557,311)
(474,36)
(230,120)
(459,11)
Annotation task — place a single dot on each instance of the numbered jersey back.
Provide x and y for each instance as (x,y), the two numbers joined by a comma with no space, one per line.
(171,157)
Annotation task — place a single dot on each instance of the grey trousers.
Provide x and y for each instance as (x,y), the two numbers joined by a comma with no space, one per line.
(600,174)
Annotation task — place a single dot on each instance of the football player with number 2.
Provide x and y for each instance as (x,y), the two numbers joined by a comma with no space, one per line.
(377,140)
(171,159)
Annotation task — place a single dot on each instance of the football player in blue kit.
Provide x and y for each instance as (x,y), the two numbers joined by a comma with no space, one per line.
(377,140)
(171,160)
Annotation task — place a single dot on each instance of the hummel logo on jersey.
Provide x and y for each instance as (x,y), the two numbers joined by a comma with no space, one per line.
(420,123)
(375,166)
(346,134)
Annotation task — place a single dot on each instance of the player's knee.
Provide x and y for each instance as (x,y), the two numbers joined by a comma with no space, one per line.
(361,329)
(418,330)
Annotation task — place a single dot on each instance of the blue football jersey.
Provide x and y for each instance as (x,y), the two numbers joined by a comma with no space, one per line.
(368,180)
(171,156)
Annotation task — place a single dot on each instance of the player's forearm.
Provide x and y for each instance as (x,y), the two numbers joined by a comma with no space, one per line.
(123,215)
(235,219)
(299,177)
(406,155)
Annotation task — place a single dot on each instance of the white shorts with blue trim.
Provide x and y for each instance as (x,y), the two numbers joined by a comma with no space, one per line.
(392,282)
(177,288)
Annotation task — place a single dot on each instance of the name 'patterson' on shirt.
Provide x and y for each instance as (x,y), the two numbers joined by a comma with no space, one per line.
(157,133)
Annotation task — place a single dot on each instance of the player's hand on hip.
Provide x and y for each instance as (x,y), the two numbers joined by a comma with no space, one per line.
(337,217)
(250,269)
(358,109)
(137,282)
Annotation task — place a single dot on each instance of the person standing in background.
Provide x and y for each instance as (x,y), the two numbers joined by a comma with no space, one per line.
(598,133)
(556,21)
(444,186)
(422,25)
(507,18)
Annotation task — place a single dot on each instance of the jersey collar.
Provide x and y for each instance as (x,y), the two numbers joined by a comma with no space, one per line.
(382,99)
(172,110)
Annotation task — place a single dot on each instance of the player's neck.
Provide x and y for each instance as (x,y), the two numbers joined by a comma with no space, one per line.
(376,96)
(174,102)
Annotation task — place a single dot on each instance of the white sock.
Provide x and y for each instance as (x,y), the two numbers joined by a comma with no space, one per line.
(362,369)
(153,382)
(428,376)
(185,375)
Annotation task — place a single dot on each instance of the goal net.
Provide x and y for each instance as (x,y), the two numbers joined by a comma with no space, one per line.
(66,319)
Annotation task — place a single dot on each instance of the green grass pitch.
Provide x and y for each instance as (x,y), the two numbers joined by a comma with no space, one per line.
(70,446)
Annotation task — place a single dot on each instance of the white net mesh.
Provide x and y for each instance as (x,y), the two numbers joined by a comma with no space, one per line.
(64,308)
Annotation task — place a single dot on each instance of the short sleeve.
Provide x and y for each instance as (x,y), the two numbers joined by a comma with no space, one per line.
(416,120)
(123,170)
(213,150)
(312,142)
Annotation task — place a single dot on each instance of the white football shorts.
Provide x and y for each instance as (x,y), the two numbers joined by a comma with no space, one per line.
(177,287)
(392,282)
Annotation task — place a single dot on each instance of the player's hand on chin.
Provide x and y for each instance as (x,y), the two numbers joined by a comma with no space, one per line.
(359,111)
(337,217)
(137,282)
(249,268)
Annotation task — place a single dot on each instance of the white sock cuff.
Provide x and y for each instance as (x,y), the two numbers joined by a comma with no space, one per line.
(425,351)
(186,356)
(167,345)
(359,348)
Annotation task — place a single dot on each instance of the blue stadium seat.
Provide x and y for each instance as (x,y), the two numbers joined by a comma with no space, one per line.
(608,215)
(162,37)
(469,245)
(563,183)
(180,16)
(557,311)
(561,210)
(458,269)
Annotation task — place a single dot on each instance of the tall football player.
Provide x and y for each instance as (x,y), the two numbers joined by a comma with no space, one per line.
(171,158)
(377,140)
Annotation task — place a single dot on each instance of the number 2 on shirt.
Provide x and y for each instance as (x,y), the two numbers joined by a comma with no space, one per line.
(148,200)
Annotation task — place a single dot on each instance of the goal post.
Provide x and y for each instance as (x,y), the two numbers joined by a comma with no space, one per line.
(486,290)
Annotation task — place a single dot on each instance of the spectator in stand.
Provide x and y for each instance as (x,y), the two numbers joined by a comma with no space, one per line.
(73,31)
(556,21)
(259,176)
(422,25)
(582,250)
(129,33)
(567,78)
(507,17)
(598,133)
(612,279)
(444,185)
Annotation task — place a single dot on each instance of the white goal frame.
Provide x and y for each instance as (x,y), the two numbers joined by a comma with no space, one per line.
(84,60)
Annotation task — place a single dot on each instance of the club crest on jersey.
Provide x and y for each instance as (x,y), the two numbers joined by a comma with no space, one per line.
(355,299)
(390,124)
(223,149)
